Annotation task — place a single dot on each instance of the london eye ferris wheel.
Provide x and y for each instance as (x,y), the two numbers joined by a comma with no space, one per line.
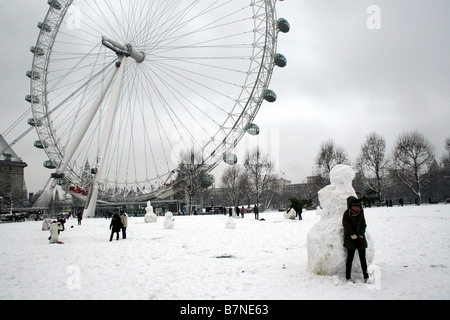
(124,87)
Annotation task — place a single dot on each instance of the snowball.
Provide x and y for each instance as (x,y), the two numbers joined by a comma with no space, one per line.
(230,224)
(291,214)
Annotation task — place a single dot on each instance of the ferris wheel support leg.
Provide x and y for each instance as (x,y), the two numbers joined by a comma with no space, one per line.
(84,125)
(89,211)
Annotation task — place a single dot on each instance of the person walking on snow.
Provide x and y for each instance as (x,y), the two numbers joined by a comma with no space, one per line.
(256,212)
(354,225)
(124,220)
(115,226)
(79,217)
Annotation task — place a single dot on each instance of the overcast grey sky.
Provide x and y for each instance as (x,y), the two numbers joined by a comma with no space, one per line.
(343,81)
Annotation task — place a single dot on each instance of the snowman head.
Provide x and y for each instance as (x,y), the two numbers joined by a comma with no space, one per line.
(342,174)
(169,215)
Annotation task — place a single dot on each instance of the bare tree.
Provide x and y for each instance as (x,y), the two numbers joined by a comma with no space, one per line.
(260,172)
(244,187)
(192,178)
(373,163)
(445,160)
(328,157)
(413,158)
(234,183)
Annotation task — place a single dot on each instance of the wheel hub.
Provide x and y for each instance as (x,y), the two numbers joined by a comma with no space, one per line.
(126,50)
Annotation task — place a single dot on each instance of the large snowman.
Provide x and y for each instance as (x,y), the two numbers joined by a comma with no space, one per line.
(325,241)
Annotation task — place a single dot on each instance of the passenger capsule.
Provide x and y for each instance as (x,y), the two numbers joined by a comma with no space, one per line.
(283,25)
(44,27)
(49,164)
(252,129)
(206,182)
(270,95)
(54,4)
(34,123)
(33,75)
(280,60)
(230,158)
(38,51)
(40,144)
(32,99)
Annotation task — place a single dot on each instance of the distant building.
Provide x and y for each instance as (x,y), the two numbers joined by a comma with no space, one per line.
(12,185)
(280,184)
(302,191)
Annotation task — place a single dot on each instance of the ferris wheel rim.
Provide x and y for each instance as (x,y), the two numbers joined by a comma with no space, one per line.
(41,111)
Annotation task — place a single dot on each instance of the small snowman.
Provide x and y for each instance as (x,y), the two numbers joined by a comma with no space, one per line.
(169,221)
(150,216)
(230,223)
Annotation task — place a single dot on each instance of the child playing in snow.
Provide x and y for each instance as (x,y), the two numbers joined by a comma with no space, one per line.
(115,226)
(54,229)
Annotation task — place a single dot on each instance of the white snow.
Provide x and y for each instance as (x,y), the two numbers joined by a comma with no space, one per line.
(201,259)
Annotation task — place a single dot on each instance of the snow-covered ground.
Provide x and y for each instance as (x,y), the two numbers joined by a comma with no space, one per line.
(201,259)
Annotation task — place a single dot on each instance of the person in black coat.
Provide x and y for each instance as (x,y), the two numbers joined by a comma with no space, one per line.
(79,217)
(115,226)
(354,225)
(256,212)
